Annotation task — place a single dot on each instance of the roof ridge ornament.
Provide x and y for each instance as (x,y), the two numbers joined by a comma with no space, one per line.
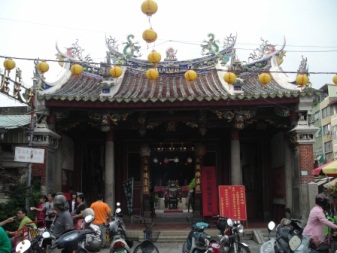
(211,46)
(131,49)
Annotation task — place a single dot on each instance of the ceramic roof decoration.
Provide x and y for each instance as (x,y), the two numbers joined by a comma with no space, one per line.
(95,84)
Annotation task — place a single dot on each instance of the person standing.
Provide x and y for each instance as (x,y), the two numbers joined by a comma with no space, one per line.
(190,200)
(50,212)
(102,213)
(40,210)
(77,216)
(73,203)
(5,243)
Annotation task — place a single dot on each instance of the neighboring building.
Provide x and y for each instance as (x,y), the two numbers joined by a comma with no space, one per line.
(325,118)
(14,125)
(169,129)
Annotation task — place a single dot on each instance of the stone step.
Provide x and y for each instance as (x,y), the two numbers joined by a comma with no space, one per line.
(181,235)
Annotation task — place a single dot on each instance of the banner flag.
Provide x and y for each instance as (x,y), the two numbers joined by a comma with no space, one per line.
(209,192)
(128,191)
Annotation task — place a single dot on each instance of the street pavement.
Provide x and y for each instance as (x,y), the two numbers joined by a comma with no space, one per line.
(177,247)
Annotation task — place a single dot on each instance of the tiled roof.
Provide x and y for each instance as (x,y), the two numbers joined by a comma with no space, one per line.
(14,121)
(168,87)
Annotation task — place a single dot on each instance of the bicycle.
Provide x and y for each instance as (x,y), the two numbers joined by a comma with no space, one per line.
(150,236)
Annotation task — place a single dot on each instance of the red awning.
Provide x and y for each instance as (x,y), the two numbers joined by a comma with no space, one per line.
(319,169)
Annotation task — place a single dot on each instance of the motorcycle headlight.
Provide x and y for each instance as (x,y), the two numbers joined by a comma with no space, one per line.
(240,229)
(224,239)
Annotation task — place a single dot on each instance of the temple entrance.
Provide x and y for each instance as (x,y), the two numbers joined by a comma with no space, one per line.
(172,167)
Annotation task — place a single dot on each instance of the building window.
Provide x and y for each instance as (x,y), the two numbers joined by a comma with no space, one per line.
(326,112)
(327,129)
(328,146)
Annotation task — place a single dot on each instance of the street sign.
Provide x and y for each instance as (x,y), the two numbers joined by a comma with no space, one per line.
(29,155)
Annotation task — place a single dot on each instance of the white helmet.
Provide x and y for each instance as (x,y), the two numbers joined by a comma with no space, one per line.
(87,212)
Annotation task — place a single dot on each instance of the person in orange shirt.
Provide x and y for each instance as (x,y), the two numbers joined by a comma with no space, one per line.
(102,213)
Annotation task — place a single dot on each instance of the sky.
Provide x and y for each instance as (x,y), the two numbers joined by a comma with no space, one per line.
(30,30)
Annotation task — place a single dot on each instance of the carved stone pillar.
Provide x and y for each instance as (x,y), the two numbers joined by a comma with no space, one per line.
(301,140)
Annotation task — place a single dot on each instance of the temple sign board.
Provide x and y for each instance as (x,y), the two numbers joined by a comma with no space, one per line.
(232,202)
(29,155)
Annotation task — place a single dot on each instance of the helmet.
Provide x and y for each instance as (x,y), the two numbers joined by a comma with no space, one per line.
(93,242)
(60,202)
(322,200)
(87,212)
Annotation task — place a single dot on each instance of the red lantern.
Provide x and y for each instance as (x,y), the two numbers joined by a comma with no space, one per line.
(166,160)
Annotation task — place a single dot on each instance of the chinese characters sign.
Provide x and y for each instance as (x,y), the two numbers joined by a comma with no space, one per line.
(233,201)
(209,196)
(29,155)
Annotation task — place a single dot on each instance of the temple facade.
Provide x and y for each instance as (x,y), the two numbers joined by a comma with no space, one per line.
(155,132)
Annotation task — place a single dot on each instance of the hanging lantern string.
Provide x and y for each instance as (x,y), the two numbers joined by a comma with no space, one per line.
(196,69)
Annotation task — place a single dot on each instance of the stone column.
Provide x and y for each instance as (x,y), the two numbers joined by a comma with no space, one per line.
(301,141)
(109,170)
(236,171)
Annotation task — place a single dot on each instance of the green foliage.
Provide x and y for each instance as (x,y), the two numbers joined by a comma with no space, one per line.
(331,191)
(17,199)
(191,185)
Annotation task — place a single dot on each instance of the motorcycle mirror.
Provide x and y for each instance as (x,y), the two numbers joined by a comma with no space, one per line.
(118,210)
(294,242)
(271,225)
(230,222)
(118,204)
(46,234)
(23,246)
(89,218)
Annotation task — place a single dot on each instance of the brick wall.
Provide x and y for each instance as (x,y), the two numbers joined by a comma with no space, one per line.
(306,162)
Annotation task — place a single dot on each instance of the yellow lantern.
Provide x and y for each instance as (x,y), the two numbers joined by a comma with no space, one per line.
(152,74)
(9,64)
(154,57)
(76,69)
(264,78)
(149,35)
(302,79)
(334,79)
(149,7)
(190,75)
(116,71)
(229,77)
(42,67)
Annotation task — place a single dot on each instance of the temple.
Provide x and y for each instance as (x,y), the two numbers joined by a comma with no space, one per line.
(154,132)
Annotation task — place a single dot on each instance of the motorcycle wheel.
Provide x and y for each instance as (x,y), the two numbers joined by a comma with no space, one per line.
(241,249)
(138,249)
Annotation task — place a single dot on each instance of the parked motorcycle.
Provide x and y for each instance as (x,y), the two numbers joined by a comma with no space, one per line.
(117,234)
(81,241)
(198,241)
(287,238)
(230,238)
(35,243)
(150,236)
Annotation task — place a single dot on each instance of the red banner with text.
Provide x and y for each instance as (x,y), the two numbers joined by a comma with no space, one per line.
(232,201)
(209,196)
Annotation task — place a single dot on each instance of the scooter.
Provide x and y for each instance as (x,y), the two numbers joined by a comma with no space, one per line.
(117,234)
(287,238)
(81,241)
(198,241)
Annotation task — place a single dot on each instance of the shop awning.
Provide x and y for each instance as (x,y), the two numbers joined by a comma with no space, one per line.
(331,183)
(318,170)
(330,169)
